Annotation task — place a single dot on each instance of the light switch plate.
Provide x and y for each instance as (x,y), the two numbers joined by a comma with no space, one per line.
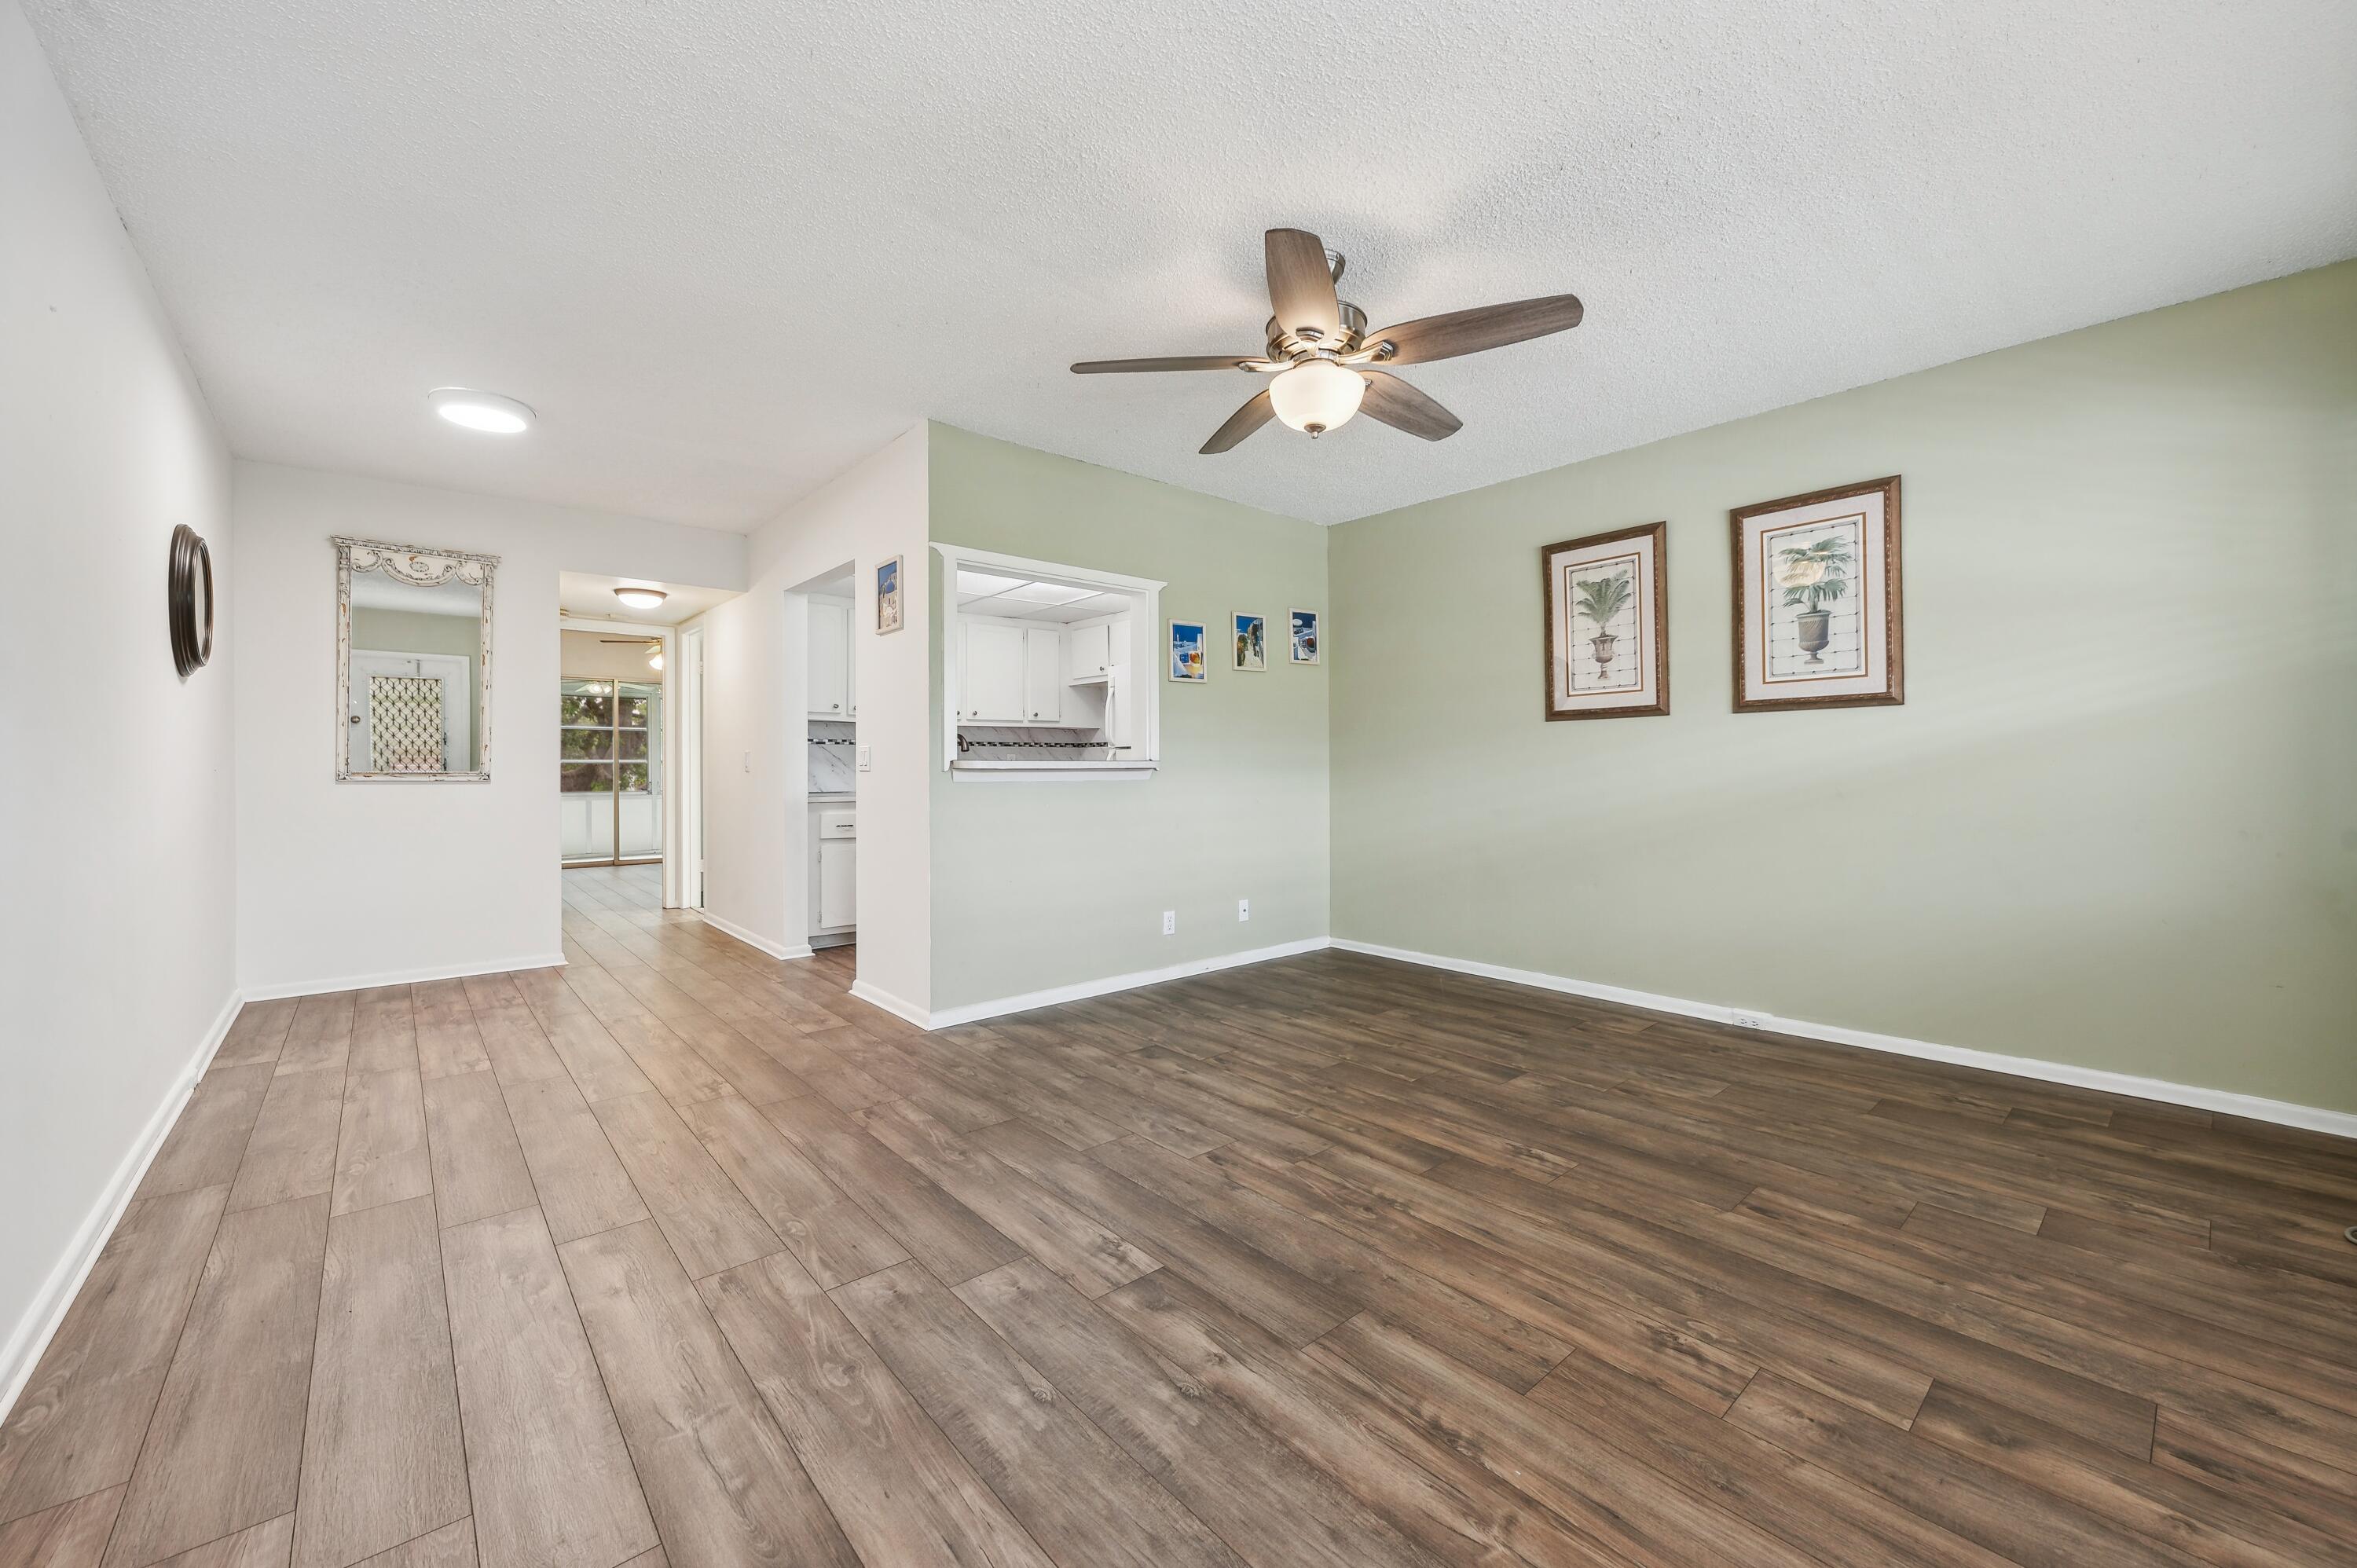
(866,759)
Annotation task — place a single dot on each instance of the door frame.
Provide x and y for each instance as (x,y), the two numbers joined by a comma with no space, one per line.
(689,707)
(670,638)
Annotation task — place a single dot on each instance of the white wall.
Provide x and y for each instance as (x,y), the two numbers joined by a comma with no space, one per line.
(757,849)
(116,957)
(351,883)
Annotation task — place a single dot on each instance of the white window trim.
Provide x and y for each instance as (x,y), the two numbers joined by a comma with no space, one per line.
(1145,638)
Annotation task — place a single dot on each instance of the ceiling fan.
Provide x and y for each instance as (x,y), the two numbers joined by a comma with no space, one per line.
(654,645)
(1324,359)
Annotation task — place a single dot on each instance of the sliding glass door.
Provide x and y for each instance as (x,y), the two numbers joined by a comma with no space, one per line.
(609,762)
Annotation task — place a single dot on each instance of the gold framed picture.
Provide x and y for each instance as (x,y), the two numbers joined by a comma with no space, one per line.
(1817,617)
(1608,624)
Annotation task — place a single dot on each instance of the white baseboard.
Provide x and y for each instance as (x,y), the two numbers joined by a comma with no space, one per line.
(402,977)
(875,996)
(2341,1123)
(33,1331)
(948,1017)
(752,940)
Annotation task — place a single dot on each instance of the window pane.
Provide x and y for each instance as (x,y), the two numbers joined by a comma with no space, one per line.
(586,743)
(634,776)
(583,705)
(586,778)
(634,743)
(634,713)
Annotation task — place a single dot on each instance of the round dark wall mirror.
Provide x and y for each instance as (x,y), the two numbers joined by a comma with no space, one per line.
(191,601)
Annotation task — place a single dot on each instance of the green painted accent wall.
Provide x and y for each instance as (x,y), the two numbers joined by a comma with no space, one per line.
(2114,823)
(1042,884)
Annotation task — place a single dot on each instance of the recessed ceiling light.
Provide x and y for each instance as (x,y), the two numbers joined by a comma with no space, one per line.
(486,412)
(641,598)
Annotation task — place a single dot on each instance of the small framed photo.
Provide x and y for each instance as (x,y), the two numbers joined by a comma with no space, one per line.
(1816,601)
(1189,642)
(1608,624)
(1304,638)
(888,614)
(1251,641)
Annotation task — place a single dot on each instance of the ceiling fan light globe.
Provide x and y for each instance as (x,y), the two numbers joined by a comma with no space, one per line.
(1316,396)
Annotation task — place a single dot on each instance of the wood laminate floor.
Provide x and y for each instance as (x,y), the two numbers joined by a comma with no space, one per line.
(679,1255)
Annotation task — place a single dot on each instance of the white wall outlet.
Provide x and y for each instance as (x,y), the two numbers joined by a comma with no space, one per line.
(1169,922)
(749,762)
(1742,1019)
(866,759)
(1243,908)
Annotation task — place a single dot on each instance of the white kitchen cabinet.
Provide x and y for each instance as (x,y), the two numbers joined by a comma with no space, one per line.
(834,880)
(994,687)
(838,883)
(1043,675)
(830,659)
(1088,653)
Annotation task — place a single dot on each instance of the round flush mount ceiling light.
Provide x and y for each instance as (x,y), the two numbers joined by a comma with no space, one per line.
(486,412)
(641,598)
(1316,396)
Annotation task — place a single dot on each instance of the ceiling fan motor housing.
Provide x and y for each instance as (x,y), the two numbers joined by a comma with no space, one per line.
(1284,345)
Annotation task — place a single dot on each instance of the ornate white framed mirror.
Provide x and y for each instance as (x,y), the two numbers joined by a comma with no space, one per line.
(413,662)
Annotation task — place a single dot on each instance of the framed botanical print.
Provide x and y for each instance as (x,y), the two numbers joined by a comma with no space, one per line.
(1251,640)
(1608,624)
(1816,601)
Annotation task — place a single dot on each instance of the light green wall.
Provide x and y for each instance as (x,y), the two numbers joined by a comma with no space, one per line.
(2114,823)
(1044,884)
(407,631)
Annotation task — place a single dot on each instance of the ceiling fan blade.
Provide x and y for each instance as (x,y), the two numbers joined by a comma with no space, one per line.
(1241,424)
(1402,407)
(1171,362)
(1471,331)
(1301,286)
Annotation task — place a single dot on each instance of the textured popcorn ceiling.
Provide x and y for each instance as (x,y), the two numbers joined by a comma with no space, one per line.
(729,247)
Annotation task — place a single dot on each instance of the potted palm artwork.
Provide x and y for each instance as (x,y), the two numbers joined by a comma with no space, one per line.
(1601,598)
(1814,576)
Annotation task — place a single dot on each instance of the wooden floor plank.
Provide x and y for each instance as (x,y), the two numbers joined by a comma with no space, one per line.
(583,1187)
(708,1220)
(224,1446)
(940,1232)
(836,1239)
(208,1143)
(1975,1500)
(265,1545)
(1076,1493)
(1272,1505)
(549,1477)
(380,1154)
(724,1484)
(479,1167)
(77,1425)
(1092,1258)
(902,1494)
(452,1546)
(70,1535)
(382,1457)
(292,1151)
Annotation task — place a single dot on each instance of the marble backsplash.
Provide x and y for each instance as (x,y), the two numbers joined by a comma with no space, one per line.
(832,759)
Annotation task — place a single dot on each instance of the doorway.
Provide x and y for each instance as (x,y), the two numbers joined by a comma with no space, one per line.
(610,771)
